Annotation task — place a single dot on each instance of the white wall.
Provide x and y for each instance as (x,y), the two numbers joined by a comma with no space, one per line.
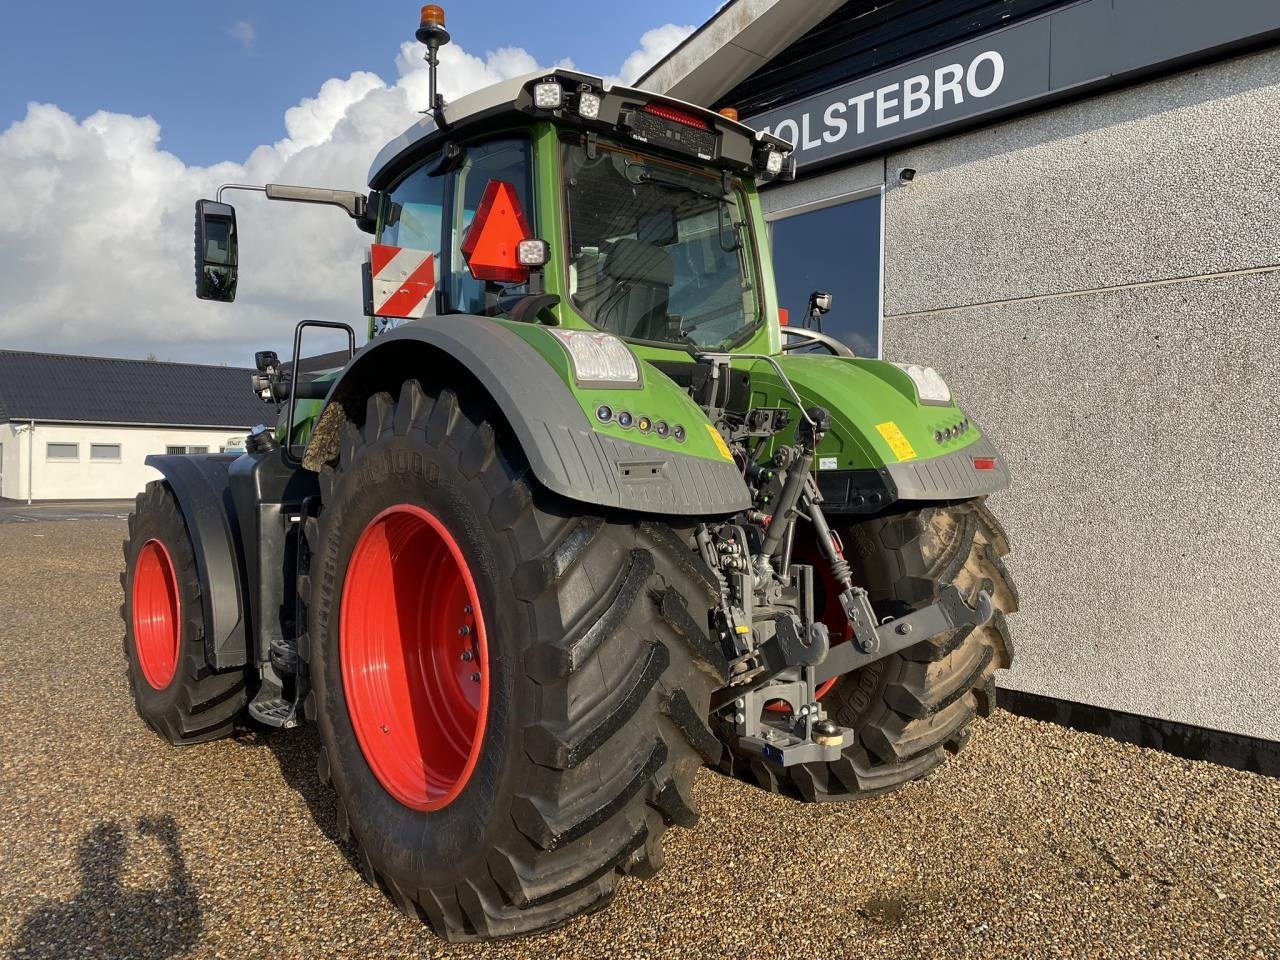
(88,479)
(10,459)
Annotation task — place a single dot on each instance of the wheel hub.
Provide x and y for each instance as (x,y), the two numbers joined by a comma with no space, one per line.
(414,658)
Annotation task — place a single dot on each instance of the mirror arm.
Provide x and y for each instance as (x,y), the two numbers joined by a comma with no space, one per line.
(350,201)
(355,204)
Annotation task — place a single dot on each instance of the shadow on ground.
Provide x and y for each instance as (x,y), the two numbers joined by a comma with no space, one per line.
(296,751)
(105,918)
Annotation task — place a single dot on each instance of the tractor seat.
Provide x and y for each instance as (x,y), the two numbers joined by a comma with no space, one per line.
(637,291)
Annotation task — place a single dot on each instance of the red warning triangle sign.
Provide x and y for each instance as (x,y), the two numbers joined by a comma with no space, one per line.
(499,225)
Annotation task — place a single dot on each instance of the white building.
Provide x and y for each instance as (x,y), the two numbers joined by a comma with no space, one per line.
(80,428)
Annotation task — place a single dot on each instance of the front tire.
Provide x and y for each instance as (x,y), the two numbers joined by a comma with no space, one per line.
(174,689)
(911,708)
(586,728)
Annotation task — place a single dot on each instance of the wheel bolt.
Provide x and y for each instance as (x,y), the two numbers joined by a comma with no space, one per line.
(467,608)
(464,631)
(466,654)
(476,677)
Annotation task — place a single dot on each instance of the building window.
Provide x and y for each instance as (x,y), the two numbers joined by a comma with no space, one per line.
(837,250)
(104,451)
(197,449)
(172,451)
(62,451)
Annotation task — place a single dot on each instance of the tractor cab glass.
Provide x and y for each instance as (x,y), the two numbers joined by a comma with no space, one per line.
(657,251)
(435,211)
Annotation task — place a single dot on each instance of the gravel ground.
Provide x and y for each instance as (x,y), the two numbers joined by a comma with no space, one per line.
(1038,842)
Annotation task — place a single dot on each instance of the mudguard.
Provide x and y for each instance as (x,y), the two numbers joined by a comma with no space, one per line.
(202,488)
(565,454)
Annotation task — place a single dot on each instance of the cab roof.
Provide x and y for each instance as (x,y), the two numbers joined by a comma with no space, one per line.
(736,145)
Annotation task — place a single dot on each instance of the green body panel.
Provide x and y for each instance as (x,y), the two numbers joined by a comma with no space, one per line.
(860,394)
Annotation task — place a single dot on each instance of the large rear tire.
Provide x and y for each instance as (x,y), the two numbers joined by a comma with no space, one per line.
(512,805)
(912,708)
(174,689)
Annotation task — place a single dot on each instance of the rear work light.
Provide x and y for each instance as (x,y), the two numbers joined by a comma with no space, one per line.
(548,95)
(984,463)
(677,116)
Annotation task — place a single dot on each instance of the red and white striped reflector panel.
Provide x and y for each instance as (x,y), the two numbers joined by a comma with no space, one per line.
(403,280)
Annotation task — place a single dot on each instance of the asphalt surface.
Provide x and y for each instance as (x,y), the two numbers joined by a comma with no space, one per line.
(19,511)
(1036,842)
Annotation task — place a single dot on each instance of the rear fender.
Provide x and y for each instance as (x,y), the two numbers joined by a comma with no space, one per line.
(203,490)
(564,452)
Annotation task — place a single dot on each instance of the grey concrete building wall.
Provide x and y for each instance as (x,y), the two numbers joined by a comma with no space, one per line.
(1099,283)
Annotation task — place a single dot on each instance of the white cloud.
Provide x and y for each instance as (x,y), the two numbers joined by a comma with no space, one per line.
(96,219)
(654,45)
(243,32)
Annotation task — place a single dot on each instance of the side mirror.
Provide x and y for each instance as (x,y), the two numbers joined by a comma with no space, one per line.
(217,253)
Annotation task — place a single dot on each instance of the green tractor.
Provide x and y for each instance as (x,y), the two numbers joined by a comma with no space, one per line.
(580,518)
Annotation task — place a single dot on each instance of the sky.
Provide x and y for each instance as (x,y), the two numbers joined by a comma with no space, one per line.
(115,118)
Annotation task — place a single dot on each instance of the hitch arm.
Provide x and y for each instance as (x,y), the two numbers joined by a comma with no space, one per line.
(948,613)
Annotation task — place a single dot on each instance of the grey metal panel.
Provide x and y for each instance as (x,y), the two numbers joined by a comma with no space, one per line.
(950,477)
(203,491)
(566,455)
(1097,41)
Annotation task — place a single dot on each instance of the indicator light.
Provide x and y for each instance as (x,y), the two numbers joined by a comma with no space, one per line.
(433,14)
(604,413)
(678,433)
(729,113)
(624,419)
(938,436)
(644,424)
(662,429)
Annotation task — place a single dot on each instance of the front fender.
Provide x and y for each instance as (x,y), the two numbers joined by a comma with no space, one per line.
(565,451)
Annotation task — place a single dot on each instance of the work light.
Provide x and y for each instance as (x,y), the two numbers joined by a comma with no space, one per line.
(548,95)
(599,357)
(588,105)
(532,253)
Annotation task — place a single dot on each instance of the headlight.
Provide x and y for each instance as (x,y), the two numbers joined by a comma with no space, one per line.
(930,387)
(599,357)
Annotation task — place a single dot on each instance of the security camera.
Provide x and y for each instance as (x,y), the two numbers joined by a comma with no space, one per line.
(906,174)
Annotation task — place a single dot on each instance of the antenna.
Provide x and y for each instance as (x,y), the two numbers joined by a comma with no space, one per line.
(431,31)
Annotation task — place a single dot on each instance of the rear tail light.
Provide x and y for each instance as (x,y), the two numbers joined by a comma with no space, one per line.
(676,116)
(984,463)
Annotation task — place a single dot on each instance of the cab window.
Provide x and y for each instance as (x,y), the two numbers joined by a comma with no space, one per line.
(507,160)
(415,214)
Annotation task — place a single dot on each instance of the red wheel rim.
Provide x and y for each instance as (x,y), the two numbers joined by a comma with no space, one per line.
(415,663)
(157,614)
